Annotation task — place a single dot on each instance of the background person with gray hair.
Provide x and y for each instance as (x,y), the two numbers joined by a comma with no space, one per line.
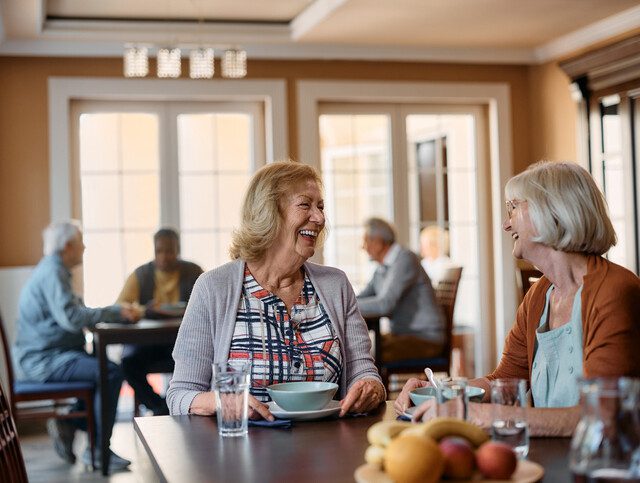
(50,342)
(401,290)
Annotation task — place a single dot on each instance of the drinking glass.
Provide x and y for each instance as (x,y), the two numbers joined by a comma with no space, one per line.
(509,425)
(231,387)
(606,441)
(453,399)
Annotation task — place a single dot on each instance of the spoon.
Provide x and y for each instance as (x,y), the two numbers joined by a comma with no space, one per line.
(430,376)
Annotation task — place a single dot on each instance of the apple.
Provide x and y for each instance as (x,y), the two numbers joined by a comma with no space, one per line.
(496,460)
(459,459)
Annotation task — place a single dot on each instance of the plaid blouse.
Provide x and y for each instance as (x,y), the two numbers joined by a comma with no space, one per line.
(281,347)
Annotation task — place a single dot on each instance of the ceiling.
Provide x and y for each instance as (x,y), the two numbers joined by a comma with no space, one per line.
(480,31)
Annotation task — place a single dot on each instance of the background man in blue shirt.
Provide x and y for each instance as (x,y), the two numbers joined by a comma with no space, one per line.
(50,340)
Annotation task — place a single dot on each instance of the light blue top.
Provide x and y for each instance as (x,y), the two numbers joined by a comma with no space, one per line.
(50,321)
(558,359)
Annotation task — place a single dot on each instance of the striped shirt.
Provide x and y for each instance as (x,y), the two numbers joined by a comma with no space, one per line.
(283,347)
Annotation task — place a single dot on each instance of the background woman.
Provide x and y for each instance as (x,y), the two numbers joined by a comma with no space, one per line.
(581,318)
(294,320)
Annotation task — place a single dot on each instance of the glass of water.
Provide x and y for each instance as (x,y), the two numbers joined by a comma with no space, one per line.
(453,399)
(231,386)
(509,399)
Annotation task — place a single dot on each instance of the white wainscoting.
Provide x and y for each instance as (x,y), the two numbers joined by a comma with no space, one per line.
(12,280)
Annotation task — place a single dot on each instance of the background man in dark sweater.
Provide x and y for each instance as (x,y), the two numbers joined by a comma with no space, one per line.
(163,286)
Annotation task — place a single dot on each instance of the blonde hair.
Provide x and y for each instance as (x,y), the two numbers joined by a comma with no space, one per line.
(568,211)
(434,237)
(261,215)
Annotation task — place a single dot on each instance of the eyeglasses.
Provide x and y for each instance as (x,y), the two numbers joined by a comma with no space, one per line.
(512,205)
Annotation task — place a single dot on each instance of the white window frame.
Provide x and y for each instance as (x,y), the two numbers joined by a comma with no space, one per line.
(497,311)
(63,90)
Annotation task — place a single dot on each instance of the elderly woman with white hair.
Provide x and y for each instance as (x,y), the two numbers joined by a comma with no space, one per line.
(581,317)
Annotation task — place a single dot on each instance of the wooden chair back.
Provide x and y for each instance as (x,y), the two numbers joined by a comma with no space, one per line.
(58,398)
(12,468)
(528,276)
(446,295)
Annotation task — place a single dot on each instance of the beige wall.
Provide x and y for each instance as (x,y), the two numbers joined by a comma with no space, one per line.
(553,115)
(543,122)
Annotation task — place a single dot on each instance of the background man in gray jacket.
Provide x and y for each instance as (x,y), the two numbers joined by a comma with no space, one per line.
(400,290)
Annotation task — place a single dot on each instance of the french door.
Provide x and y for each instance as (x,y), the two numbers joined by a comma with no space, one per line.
(138,166)
(416,166)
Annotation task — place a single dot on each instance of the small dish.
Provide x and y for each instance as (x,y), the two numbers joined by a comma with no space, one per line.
(329,410)
(302,395)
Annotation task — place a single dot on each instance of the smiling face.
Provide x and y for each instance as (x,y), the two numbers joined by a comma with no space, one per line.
(518,224)
(302,220)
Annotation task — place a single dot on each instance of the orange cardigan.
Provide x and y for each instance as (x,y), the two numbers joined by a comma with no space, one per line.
(610,324)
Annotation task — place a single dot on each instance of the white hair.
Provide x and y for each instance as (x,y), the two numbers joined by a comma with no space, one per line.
(568,211)
(380,229)
(58,234)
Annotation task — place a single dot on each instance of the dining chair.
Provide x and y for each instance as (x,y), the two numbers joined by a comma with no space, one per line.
(528,276)
(32,400)
(446,293)
(12,468)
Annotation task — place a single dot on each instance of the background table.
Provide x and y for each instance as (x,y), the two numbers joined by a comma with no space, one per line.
(188,448)
(144,332)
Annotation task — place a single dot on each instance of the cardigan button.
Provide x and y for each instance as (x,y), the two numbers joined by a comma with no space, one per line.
(535,364)
(568,330)
(570,349)
(570,369)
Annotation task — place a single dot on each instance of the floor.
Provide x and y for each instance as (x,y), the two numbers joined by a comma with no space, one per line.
(44,465)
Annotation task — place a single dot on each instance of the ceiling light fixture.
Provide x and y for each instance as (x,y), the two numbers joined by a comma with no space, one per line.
(234,63)
(169,64)
(201,64)
(136,61)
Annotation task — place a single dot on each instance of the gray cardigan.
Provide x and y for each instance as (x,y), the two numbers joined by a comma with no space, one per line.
(208,324)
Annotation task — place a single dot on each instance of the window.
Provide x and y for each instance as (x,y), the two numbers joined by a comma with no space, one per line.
(356,169)
(434,182)
(145,165)
(606,87)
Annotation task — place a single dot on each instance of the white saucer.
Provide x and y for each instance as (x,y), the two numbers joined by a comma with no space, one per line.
(330,409)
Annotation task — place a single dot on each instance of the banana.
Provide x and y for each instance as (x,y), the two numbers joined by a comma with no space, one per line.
(383,432)
(438,428)
(374,455)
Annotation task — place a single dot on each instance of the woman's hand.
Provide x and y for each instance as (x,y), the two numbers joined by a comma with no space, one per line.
(258,410)
(404,401)
(204,404)
(364,395)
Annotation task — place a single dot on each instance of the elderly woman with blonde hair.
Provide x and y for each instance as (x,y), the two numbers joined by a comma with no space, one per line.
(294,320)
(581,317)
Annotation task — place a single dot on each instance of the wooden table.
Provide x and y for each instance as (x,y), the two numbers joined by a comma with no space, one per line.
(188,448)
(144,332)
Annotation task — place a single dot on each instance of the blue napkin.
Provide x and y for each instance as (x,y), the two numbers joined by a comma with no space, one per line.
(277,423)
